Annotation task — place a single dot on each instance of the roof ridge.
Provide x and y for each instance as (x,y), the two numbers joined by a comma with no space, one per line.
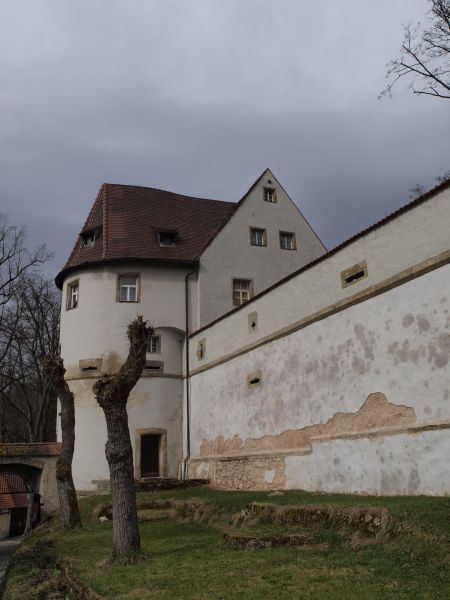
(105,223)
(143,187)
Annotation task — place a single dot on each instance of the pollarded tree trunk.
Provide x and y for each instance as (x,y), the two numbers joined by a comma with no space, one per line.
(112,393)
(68,504)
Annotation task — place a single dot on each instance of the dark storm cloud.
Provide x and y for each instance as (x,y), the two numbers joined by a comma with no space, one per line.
(199,97)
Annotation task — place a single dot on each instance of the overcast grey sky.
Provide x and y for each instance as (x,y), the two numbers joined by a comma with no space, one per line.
(199,96)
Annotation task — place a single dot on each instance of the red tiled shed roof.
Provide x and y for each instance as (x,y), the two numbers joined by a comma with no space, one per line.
(36,449)
(129,218)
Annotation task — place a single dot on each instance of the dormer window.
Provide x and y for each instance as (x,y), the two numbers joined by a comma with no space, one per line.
(167,238)
(270,194)
(88,238)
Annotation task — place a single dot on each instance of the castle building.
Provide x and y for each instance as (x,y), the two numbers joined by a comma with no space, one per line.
(275,364)
(181,262)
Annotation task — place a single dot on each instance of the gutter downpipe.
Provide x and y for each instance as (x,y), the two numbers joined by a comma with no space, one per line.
(188,403)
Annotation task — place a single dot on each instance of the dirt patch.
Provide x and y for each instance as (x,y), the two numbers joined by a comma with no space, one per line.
(370,519)
(270,541)
(45,576)
(153,510)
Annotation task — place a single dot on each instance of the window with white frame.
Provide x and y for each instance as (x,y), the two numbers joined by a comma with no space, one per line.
(242,291)
(270,194)
(154,344)
(287,240)
(258,237)
(72,294)
(128,288)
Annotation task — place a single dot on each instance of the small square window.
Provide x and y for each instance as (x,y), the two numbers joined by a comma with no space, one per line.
(258,237)
(201,349)
(287,240)
(354,274)
(154,344)
(72,295)
(242,291)
(88,238)
(270,194)
(128,288)
(167,238)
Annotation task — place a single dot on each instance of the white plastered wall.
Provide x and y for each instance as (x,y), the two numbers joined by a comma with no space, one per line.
(413,237)
(97,329)
(396,343)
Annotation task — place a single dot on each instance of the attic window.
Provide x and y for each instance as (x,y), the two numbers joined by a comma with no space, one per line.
(88,238)
(270,194)
(354,274)
(167,238)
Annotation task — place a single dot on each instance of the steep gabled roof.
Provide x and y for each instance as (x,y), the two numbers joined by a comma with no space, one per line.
(129,218)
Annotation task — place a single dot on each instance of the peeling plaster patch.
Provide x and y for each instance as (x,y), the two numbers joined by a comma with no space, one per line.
(376,412)
(249,474)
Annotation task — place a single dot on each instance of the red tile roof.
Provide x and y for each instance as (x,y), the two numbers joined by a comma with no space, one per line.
(36,449)
(129,218)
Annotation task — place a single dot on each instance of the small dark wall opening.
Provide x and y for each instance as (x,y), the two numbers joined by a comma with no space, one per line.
(150,449)
(18,521)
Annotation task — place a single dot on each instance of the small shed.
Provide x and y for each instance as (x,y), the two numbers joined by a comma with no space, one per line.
(28,487)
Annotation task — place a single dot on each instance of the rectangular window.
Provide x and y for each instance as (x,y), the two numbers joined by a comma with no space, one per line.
(258,237)
(72,295)
(167,238)
(242,291)
(154,344)
(354,274)
(270,194)
(128,288)
(287,240)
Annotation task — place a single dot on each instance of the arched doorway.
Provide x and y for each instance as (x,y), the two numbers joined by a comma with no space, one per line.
(19,500)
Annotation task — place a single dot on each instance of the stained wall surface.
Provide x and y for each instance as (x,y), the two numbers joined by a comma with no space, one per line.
(357,400)
(405,242)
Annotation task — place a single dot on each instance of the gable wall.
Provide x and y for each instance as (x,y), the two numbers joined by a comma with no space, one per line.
(231,255)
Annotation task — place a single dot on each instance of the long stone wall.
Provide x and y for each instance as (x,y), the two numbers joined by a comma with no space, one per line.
(356,401)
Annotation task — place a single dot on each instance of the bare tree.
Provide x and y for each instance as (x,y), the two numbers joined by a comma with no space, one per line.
(69,512)
(29,322)
(32,398)
(425,55)
(112,393)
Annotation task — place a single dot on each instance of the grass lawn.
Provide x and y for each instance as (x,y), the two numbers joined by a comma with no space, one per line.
(188,559)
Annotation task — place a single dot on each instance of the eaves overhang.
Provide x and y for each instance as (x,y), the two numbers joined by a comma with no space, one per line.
(167,262)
